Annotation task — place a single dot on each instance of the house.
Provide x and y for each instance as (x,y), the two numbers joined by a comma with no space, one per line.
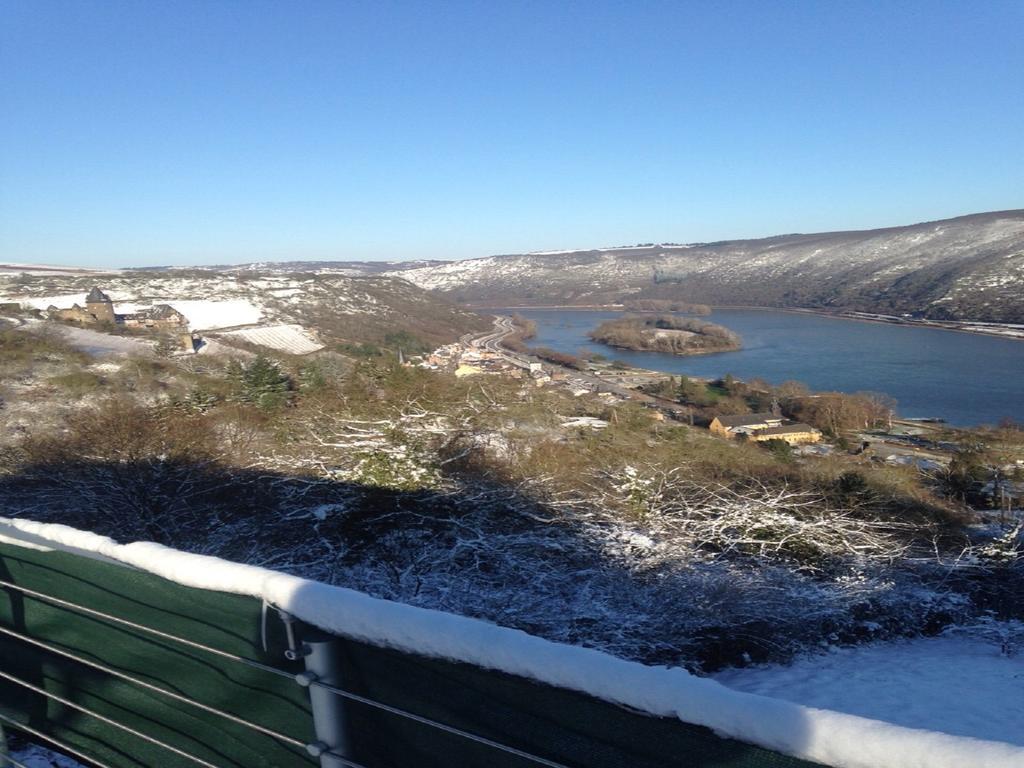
(732,426)
(98,309)
(160,316)
(761,427)
(791,432)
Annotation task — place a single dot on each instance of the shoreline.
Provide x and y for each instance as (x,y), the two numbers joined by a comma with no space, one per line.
(695,353)
(1010,331)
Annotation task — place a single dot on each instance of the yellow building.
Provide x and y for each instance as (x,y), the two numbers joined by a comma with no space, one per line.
(793,433)
(743,423)
(761,427)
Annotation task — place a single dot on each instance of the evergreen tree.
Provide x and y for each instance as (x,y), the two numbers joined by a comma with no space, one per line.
(166,346)
(312,377)
(261,382)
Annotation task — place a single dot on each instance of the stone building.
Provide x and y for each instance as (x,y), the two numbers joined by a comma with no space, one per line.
(99,309)
(162,316)
(99,305)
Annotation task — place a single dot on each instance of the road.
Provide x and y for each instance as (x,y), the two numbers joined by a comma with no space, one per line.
(491,341)
(504,327)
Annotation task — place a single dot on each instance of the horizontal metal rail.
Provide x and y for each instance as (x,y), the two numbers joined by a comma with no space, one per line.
(107,720)
(397,711)
(440,726)
(56,742)
(143,628)
(149,686)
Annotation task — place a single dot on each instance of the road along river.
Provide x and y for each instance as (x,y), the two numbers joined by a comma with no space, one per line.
(966,379)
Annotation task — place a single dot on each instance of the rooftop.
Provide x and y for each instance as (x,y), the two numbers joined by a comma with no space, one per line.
(787,429)
(747,419)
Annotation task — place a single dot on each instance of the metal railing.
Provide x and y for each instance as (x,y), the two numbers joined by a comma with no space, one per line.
(329,754)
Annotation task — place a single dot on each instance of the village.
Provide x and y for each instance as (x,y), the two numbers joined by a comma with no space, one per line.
(901,442)
(920,444)
(483,354)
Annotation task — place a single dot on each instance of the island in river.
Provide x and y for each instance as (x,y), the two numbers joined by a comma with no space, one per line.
(669,334)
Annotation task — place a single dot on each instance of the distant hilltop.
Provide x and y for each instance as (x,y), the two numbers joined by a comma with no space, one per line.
(965,268)
(969,268)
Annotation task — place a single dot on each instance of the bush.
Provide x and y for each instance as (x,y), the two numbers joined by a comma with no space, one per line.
(780,449)
(77,383)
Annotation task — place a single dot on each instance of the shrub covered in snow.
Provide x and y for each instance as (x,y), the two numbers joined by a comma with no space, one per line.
(647,541)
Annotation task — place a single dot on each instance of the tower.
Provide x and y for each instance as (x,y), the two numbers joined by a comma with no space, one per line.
(99,305)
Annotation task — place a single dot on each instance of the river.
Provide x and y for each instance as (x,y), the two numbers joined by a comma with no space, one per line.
(966,379)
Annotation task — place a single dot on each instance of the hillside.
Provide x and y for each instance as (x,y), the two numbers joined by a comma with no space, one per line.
(348,309)
(970,267)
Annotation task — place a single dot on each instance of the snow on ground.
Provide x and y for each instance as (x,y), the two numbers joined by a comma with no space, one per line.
(829,737)
(293,339)
(204,314)
(15,269)
(61,300)
(37,757)
(104,344)
(958,685)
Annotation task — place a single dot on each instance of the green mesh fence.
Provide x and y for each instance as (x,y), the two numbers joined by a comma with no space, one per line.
(563,726)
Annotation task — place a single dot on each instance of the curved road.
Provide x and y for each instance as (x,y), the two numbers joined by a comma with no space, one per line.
(504,327)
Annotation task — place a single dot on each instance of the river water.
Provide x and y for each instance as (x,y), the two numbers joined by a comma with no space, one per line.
(966,379)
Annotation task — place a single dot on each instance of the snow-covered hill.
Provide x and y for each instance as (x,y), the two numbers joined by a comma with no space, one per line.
(970,267)
(363,308)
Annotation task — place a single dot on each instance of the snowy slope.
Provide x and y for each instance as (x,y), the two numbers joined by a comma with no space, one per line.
(829,737)
(352,309)
(971,267)
(204,314)
(284,338)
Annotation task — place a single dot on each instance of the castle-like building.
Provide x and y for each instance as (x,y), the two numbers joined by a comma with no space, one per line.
(99,310)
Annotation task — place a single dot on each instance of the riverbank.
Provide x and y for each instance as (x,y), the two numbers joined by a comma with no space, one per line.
(967,380)
(1014,331)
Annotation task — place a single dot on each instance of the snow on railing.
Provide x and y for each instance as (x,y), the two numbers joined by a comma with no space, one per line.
(830,738)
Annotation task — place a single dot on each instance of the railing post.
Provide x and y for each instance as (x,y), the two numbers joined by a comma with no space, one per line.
(319,651)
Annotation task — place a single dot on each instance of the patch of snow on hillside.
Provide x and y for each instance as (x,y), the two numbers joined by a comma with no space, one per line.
(61,301)
(293,339)
(204,314)
(830,737)
(957,685)
(100,344)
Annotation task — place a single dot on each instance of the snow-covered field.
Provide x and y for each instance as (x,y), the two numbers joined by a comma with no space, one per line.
(105,344)
(960,685)
(293,339)
(60,300)
(210,300)
(37,757)
(204,315)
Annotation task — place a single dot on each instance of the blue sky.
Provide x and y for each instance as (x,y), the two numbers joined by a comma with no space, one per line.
(141,133)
